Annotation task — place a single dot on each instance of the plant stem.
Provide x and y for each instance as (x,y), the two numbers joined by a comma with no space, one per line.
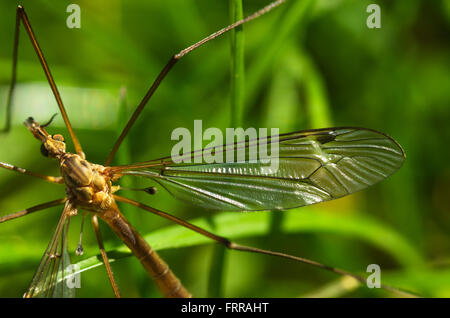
(237,65)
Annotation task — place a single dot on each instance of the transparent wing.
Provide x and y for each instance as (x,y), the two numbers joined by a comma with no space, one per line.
(310,167)
(49,279)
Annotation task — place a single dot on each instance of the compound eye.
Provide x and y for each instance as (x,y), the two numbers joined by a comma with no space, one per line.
(44,151)
(58,137)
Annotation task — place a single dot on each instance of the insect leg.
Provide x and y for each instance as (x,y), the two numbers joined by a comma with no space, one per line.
(234,246)
(104,256)
(12,85)
(21,16)
(32,209)
(172,62)
(31,173)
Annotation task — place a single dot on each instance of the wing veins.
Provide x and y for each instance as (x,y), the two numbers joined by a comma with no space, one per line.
(336,132)
(43,282)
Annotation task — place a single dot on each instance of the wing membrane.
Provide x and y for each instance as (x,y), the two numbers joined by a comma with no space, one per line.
(50,277)
(313,166)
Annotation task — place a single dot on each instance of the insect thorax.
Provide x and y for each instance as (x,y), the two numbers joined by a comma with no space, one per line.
(86,184)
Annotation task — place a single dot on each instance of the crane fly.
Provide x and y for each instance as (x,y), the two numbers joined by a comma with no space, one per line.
(314,166)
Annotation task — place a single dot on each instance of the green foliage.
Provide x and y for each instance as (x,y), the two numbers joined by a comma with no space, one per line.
(308,64)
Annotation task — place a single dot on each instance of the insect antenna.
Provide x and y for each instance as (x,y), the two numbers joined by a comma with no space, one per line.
(50,121)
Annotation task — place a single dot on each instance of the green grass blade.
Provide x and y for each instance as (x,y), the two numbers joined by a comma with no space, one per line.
(237,65)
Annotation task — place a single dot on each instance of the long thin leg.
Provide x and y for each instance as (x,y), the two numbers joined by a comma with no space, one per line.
(32,209)
(104,256)
(13,76)
(8,166)
(233,246)
(22,16)
(169,66)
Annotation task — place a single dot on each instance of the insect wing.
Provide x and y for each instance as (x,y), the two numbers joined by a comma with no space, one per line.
(50,279)
(309,167)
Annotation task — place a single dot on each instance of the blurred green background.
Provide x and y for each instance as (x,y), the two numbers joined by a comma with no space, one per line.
(308,64)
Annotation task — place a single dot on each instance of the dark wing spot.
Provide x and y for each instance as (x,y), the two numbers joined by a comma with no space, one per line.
(151,190)
(323,139)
